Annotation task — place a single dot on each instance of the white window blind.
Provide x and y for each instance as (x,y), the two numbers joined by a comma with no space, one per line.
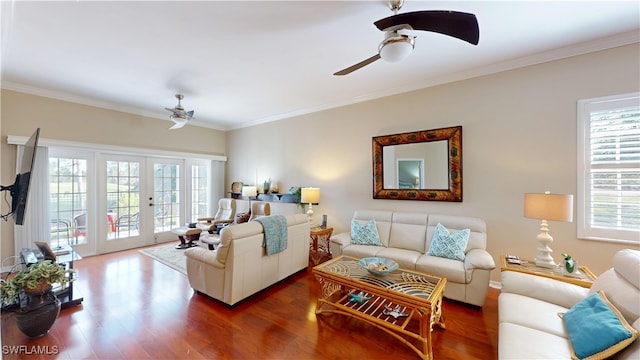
(609,168)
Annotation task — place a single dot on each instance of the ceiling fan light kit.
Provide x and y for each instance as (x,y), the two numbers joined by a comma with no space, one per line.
(396,47)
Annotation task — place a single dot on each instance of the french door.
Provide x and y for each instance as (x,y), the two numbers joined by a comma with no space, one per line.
(122,220)
(103,202)
(144,200)
(167,198)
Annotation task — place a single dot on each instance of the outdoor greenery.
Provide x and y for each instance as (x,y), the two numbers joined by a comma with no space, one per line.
(46,271)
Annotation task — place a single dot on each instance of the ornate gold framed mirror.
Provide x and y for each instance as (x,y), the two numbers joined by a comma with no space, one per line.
(422,165)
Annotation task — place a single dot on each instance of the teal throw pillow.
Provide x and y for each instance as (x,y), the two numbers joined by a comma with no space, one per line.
(447,245)
(597,329)
(365,234)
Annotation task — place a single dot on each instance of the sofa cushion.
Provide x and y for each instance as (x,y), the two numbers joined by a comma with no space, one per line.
(519,342)
(365,233)
(360,251)
(447,245)
(453,270)
(545,289)
(621,283)
(597,329)
(532,313)
(405,258)
(409,232)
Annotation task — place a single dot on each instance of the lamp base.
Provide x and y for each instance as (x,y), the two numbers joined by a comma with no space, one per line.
(544,259)
(545,263)
(310,212)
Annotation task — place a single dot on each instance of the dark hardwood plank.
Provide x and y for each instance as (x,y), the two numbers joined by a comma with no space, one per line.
(137,308)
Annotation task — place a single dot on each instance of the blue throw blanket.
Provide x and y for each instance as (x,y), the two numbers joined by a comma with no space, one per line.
(275,233)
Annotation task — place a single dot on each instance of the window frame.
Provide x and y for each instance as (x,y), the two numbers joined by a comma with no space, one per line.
(585,230)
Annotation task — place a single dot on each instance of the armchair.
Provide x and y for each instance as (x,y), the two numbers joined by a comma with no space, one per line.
(259,209)
(225,215)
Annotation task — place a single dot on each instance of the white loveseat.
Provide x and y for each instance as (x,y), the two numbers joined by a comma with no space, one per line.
(406,238)
(240,267)
(528,307)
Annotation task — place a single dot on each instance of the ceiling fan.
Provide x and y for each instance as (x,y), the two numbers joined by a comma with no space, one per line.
(179,116)
(397,45)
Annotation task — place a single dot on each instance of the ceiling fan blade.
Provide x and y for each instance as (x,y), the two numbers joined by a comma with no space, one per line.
(178,123)
(170,109)
(463,26)
(357,66)
(189,115)
(177,126)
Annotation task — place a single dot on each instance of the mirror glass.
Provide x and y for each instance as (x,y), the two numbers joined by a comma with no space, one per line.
(421,165)
(416,166)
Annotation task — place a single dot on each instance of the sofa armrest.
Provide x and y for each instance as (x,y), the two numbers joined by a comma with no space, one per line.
(550,290)
(478,259)
(205,256)
(342,239)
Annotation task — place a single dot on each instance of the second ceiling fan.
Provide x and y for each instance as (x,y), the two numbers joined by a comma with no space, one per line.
(398,46)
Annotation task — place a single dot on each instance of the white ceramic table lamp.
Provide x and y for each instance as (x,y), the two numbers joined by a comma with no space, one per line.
(249,191)
(547,207)
(310,196)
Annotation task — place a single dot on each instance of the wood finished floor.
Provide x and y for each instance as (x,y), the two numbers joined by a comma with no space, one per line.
(137,308)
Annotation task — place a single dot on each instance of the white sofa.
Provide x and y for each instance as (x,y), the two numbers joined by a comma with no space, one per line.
(406,237)
(528,307)
(240,267)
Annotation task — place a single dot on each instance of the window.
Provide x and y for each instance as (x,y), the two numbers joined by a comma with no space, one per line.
(609,168)
(199,191)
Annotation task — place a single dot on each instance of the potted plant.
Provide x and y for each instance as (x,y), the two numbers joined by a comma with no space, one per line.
(31,288)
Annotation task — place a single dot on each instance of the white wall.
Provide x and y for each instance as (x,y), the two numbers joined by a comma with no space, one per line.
(519,135)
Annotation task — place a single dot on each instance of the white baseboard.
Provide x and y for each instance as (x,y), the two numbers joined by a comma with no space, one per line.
(495,284)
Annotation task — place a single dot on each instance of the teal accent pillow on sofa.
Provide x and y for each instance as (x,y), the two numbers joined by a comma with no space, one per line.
(447,245)
(365,234)
(597,329)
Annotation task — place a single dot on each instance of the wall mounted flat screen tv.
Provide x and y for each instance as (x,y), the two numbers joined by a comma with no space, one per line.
(20,189)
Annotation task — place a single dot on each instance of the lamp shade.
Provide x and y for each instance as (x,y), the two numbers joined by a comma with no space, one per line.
(249,191)
(396,47)
(550,207)
(310,195)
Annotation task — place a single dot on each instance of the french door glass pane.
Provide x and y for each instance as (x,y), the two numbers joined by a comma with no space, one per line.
(123,199)
(68,200)
(199,191)
(166,195)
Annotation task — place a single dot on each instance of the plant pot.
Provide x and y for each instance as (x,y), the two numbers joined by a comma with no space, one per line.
(38,313)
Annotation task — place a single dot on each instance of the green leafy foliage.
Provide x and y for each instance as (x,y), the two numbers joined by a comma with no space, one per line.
(46,271)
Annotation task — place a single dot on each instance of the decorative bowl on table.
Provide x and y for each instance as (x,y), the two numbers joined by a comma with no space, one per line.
(378,265)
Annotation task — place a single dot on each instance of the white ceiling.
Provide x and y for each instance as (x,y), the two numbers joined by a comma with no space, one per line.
(241,63)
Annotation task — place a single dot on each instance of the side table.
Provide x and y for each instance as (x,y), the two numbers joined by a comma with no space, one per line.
(583,277)
(319,248)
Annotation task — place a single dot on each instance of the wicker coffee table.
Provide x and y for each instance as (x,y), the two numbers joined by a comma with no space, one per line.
(389,302)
